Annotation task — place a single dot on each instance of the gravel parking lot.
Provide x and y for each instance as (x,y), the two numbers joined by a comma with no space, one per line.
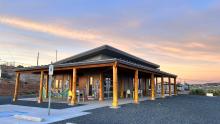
(182,109)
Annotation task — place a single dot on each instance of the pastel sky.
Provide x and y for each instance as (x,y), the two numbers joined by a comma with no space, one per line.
(183,36)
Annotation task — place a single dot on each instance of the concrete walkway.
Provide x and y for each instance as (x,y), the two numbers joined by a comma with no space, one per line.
(8,111)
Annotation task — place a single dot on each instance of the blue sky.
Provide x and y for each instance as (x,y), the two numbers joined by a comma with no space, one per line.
(182,36)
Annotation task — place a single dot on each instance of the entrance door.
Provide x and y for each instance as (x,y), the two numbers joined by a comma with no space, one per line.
(108,88)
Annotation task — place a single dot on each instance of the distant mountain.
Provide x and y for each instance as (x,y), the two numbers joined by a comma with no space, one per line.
(207,84)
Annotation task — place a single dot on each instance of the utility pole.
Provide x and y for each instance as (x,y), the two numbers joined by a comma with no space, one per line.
(56,55)
(38,58)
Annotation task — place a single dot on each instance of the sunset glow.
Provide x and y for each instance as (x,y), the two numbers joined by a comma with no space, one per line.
(181,36)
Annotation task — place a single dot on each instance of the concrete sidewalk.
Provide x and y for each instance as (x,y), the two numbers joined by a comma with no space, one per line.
(7,111)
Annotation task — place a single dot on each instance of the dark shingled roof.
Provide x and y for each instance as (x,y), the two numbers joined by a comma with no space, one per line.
(111,50)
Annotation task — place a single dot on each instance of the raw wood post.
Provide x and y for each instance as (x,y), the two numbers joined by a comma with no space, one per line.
(162,87)
(147,86)
(47,85)
(101,96)
(175,87)
(70,82)
(17,84)
(169,83)
(152,87)
(122,89)
(156,87)
(40,99)
(115,86)
(136,99)
(74,79)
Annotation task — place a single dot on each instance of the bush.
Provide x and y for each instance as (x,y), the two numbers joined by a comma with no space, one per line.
(198,92)
(215,92)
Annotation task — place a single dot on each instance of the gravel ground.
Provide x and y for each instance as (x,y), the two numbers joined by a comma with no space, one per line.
(8,100)
(182,109)
(5,100)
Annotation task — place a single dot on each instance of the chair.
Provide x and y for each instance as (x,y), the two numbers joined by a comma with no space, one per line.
(140,92)
(128,92)
(78,95)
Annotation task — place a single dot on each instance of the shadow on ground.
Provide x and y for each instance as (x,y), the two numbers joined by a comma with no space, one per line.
(8,100)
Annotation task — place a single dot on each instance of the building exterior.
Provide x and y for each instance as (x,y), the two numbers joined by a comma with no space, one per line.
(101,73)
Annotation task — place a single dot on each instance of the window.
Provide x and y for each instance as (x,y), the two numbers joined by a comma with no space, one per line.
(91,81)
(60,84)
(57,84)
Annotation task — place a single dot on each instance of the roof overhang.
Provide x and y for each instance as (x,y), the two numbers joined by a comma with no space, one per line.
(93,64)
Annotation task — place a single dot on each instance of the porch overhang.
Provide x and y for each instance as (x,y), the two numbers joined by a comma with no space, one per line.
(95,64)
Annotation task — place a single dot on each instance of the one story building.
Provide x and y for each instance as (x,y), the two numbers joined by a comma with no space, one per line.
(101,73)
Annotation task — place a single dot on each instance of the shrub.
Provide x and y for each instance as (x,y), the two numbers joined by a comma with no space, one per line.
(215,92)
(197,92)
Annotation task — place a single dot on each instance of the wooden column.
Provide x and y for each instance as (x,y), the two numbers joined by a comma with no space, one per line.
(122,89)
(136,99)
(156,87)
(115,86)
(175,87)
(74,79)
(145,86)
(169,83)
(17,84)
(47,85)
(162,87)
(101,96)
(40,99)
(152,87)
(70,82)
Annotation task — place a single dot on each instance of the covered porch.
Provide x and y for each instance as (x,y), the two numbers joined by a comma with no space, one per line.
(112,79)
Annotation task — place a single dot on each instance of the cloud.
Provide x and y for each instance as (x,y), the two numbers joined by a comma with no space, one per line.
(95,38)
(193,49)
(178,50)
(50,29)
(186,51)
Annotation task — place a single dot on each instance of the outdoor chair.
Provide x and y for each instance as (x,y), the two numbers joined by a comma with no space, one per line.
(128,92)
(78,95)
(140,92)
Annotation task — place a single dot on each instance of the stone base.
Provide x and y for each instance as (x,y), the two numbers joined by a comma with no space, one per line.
(39,101)
(163,97)
(151,98)
(114,107)
(136,102)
